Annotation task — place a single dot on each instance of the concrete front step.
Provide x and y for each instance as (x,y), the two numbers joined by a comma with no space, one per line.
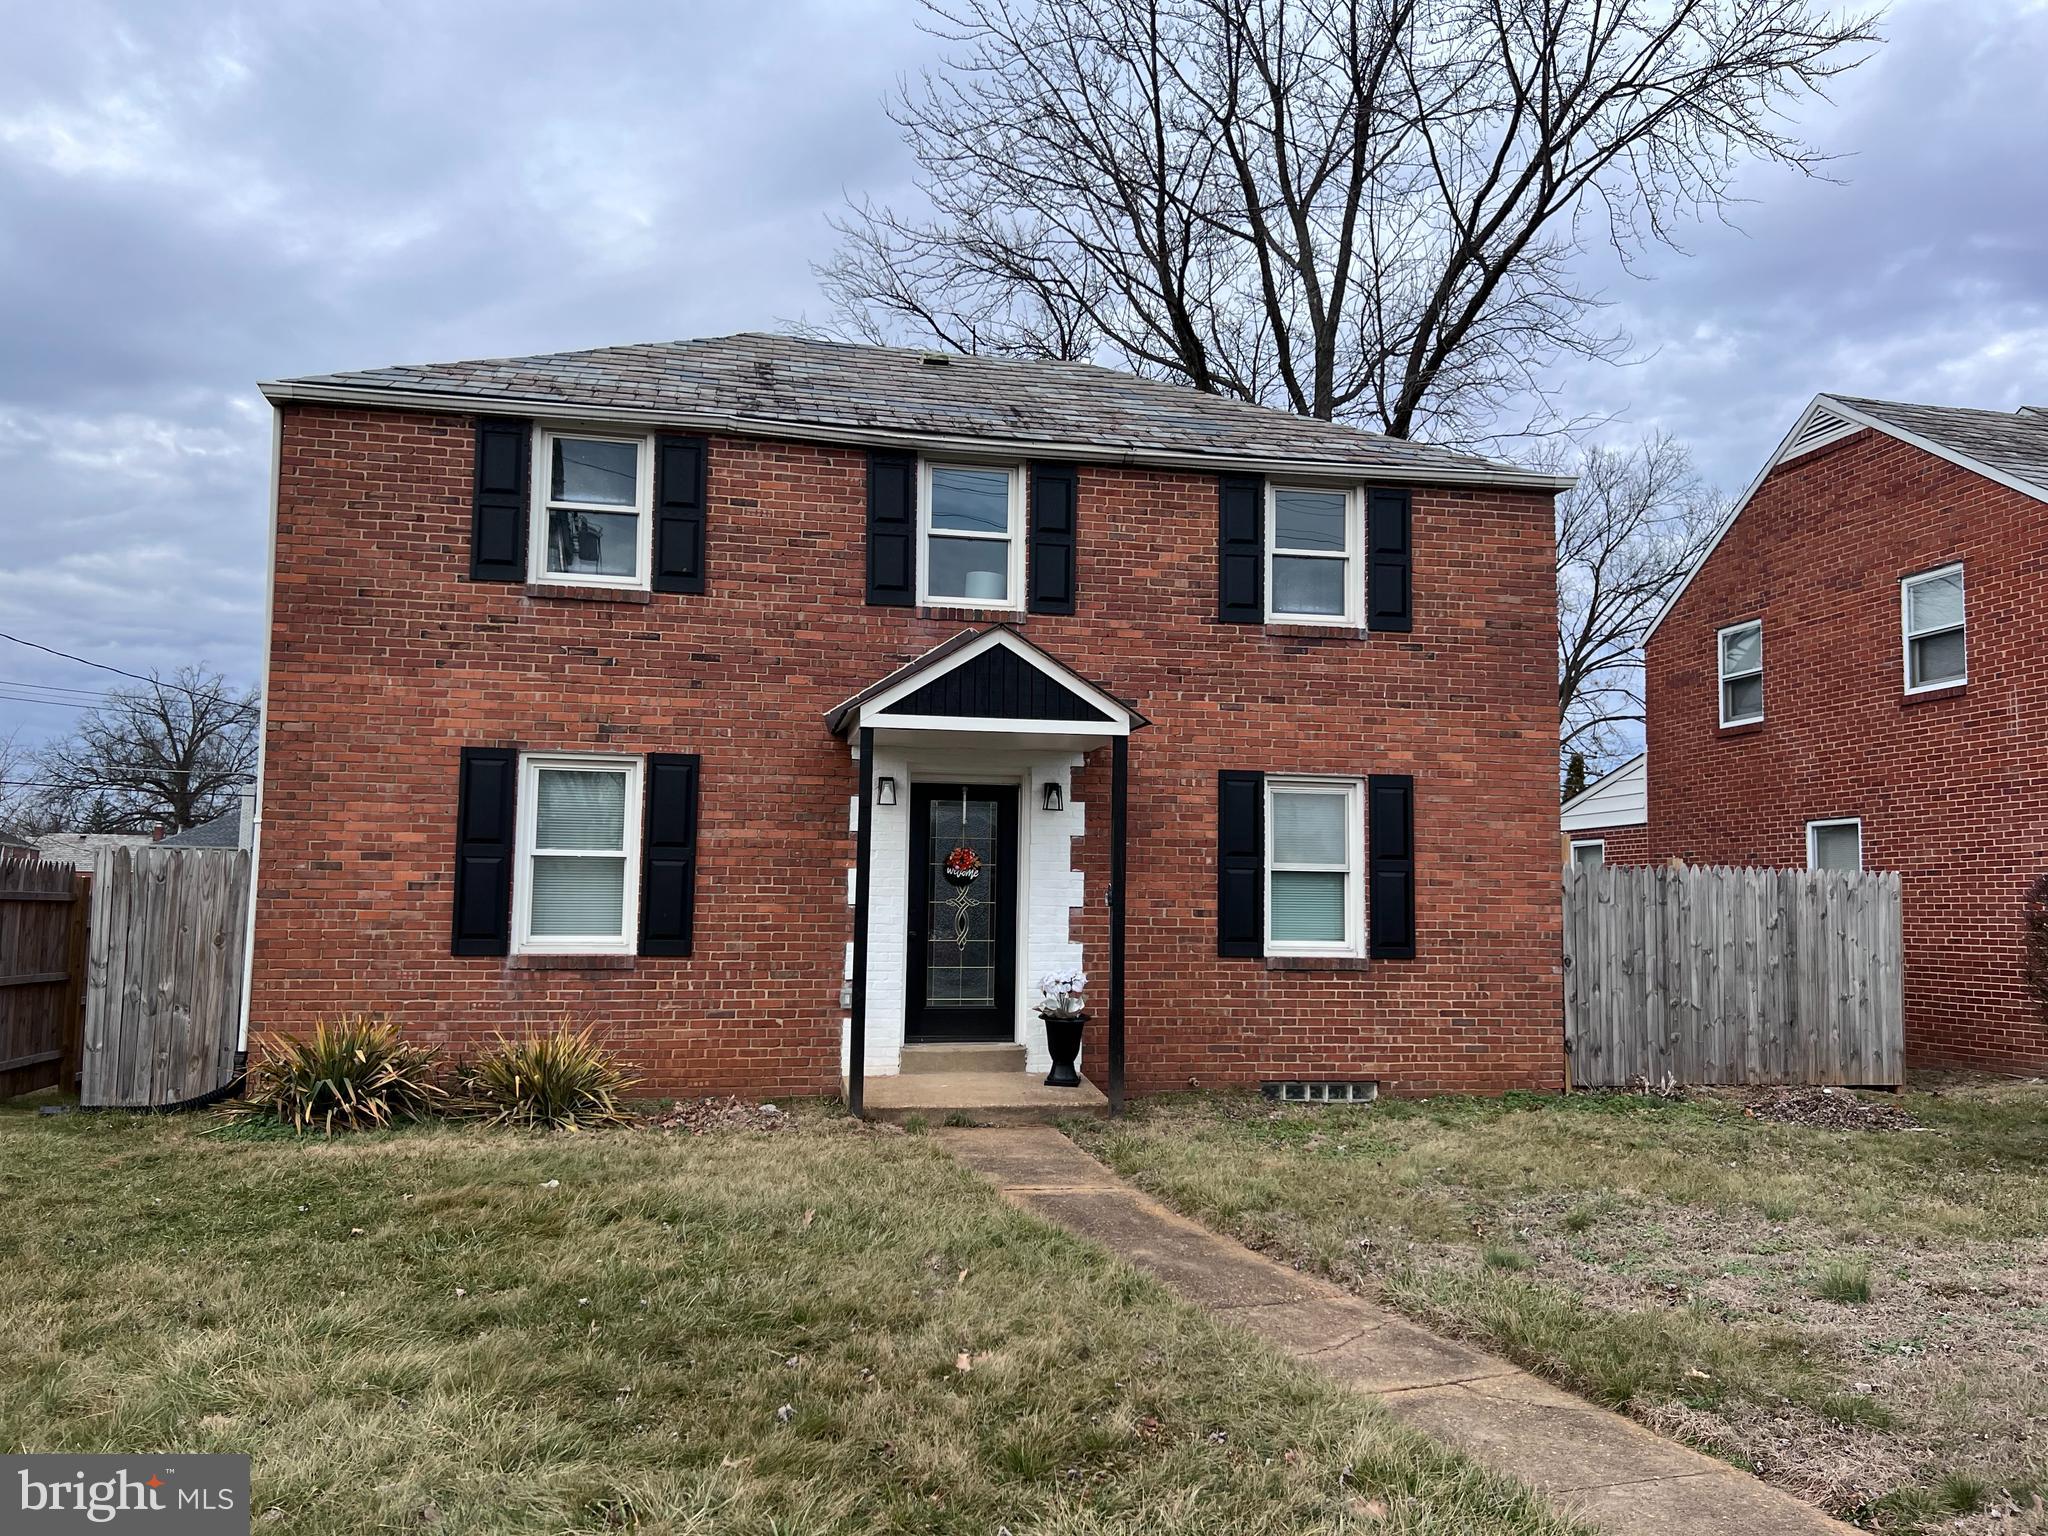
(997,1056)
(978,1098)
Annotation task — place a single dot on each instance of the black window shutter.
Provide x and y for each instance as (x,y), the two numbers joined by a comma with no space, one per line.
(1241,549)
(668,862)
(497,514)
(1390,860)
(1389,560)
(484,831)
(1053,530)
(892,529)
(678,514)
(1240,863)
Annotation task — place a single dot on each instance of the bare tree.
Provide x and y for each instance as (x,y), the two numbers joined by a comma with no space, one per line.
(167,753)
(1364,210)
(1627,533)
(15,786)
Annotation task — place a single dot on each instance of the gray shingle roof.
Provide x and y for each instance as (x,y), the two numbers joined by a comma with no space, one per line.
(224,831)
(759,382)
(2014,443)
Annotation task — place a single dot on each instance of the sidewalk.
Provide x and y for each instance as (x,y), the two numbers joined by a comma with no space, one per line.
(1597,1466)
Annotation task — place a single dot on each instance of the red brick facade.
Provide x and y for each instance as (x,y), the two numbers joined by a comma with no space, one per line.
(386,661)
(1625,845)
(1951,786)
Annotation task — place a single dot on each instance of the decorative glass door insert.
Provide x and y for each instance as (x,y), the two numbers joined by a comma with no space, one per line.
(963,916)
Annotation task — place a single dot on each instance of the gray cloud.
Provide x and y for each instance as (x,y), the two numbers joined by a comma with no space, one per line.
(196,196)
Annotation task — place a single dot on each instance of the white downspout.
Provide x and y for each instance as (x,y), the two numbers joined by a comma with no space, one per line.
(252,830)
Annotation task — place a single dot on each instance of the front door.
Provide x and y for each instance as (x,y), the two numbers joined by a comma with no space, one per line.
(962,954)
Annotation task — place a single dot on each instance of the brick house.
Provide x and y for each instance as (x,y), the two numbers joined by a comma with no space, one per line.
(1608,822)
(660,686)
(1856,674)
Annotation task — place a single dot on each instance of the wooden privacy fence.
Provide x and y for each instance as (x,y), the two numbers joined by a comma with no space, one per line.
(1693,975)
(42,973)
(164,974)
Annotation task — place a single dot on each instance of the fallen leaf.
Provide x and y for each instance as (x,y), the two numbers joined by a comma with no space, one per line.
(963,1361)
(809,1217)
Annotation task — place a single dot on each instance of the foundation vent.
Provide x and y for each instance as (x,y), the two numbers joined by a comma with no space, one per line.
(1321,1092)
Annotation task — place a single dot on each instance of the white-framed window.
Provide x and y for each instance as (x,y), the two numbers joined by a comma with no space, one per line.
(576,887)
(1313,535)
(1315,855)
(1589,853)
(592,525)
(970,520)
(1741,651)
(1931,614)
(1835,844)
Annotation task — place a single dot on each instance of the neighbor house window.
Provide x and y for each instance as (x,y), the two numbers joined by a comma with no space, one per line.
(972,517)
(1312,539)
(1834,844)
(1934,629)
(593,525)
(1591,854)
(1314,842)
(577,883)
(1742,673)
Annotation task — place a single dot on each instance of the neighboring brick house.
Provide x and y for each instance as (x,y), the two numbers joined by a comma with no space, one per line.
(1857,673)
(573,660)
(1607,822)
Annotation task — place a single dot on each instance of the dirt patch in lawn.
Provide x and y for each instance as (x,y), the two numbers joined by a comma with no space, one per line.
(1828,1109)
(698,1117)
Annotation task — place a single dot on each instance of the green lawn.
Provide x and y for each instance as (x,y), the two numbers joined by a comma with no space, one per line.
(829,1329)
(1859,1316)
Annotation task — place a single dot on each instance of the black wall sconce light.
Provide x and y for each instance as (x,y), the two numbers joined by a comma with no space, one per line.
(1054,799)
(885,790)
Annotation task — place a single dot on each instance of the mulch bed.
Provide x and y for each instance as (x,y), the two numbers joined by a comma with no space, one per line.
(700,1117)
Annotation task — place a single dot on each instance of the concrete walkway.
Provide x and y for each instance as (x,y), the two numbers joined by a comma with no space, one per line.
(1597,1466)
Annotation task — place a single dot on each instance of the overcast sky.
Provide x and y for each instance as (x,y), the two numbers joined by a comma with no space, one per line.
(196,195)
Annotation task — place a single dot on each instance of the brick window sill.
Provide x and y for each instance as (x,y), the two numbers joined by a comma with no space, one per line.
(1934,695)
(1317,631)
(574,962)
(971,615)
(1317,963)
(588,594)
(1750,728)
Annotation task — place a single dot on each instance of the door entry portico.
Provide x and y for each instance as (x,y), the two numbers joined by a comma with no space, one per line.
(987,689)
(962,921)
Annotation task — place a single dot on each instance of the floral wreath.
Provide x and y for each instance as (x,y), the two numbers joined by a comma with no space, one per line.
(962,864)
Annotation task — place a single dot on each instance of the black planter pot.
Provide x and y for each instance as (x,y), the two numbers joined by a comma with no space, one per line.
(1063,1039)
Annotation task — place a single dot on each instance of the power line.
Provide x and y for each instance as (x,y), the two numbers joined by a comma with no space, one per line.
(154,682)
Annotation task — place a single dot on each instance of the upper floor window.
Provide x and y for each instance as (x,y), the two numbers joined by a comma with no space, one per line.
(971,523)
(1933,607)
(594,526)
(1742,673)
(576,882)
(1314,843)
(1312,542)
(1836,844)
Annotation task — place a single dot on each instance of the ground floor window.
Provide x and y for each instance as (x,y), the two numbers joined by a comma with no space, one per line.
(576,882)
(1591,853)
(1834,844)
(1314,858)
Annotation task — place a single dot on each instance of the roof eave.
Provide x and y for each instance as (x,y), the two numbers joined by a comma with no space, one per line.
(303,392)
(1782,453)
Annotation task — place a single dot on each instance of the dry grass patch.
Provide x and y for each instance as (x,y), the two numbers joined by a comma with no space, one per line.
(827,1329)
(1671,1259)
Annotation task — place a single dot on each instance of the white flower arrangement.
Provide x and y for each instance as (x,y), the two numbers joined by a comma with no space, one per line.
(1060,994)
